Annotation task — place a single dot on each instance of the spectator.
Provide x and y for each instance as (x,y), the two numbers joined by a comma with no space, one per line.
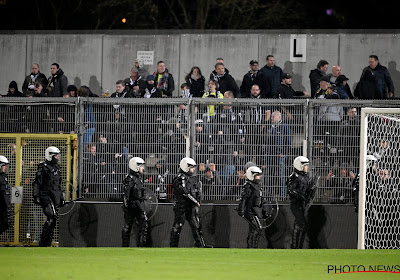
(57,83)
(317,74)
(211,185)
(273,73)
(324,88)
(255,77)
(336,71)
(93,171)
(343,88)
(202,139)
(341,184)
(139,66)
(72,90)
(349,132)
(254,120)
(13,90)
(63,116)
(28,87)
(329,119)
(213,73)
(39,89)
(285,90)
(381,76)
(213,92)
(89,117)
(164,80)
(182,110)
(277,146)
(225,80)
(135,83)
(120,91)
(366,88)
(195,81)
(151,90)
(227,133)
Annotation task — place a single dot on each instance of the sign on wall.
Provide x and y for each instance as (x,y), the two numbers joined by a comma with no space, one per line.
(298,44)
(146,56)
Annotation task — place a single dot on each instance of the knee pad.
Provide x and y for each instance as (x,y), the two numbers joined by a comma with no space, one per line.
(49,210)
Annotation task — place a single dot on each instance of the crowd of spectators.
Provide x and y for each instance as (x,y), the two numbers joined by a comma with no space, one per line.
(226,136)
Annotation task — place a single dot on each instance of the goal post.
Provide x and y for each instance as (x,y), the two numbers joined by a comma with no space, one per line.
(379,183)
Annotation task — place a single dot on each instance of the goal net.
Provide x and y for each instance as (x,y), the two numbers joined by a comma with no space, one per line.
(379,182)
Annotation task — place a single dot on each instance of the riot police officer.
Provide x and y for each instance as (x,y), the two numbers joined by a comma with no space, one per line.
(47,192)
(4,197)
(250,198)
(187,192)
(301,191)
(133,198)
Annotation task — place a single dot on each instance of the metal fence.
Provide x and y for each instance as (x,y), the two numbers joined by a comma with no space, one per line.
(220,134)
(24,152)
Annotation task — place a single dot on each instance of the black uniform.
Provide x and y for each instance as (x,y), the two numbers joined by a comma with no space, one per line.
(4,203)
(251,197)
(48,194)
(133,207)
(301,191)
(187,192)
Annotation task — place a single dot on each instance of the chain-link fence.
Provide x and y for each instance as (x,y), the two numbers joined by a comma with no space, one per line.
(222,135)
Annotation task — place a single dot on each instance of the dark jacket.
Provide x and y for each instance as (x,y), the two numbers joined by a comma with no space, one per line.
(196,86)
(300,186)
(140,82)
(150,91)
(166,88)
(133,189)
(29,83)
(186,190)
(315,76)
(274,74)
(287,92)
(278,139)
(259,79)
(57,84)
(226,82)
(250,197)
(4,199)
(366,88)
(382,79)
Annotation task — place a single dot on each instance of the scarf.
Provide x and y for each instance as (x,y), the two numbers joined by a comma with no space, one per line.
(163,82)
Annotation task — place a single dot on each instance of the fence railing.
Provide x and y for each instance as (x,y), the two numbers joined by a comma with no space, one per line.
(222,135)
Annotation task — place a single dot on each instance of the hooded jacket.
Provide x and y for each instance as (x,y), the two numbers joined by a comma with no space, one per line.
(16,93)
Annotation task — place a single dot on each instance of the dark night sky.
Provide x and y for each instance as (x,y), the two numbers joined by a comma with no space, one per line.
(38,15)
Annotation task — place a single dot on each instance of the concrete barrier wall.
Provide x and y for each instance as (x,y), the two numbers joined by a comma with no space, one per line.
(99,60)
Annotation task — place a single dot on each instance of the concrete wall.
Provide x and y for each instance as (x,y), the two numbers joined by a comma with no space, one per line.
(99,60)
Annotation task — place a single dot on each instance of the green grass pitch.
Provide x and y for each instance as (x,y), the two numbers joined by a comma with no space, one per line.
(188,263)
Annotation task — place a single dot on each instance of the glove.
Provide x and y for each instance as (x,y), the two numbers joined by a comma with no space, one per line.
(36,200)
(240,213)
